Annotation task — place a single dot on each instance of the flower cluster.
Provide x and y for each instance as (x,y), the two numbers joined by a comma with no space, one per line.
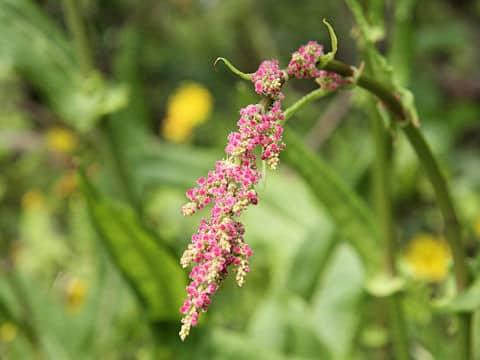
(219,245)
(257,128)
(303,64)
(268,79)
(328,80)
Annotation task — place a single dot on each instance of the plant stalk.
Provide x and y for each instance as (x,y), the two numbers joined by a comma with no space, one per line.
(80,39)
(383,204)
(439,183)
(312,96)
(452,230)
(434,174)
(429,163)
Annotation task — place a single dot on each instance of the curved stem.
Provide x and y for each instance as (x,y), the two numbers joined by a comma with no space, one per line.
(312,96)
(435,176)
(426,158)
(381,91)
(452,230)
(452,225)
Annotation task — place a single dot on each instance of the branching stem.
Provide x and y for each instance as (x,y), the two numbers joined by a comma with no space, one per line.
(433,172)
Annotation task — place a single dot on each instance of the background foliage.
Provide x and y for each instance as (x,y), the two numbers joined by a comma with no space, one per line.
(94,165)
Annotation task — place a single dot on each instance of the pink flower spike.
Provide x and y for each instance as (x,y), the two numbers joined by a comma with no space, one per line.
(218,248)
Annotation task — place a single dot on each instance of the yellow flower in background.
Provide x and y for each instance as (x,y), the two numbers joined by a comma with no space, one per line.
(8,332)
(60,140)
(428,257)
(187,108)
(75,294)
(32,199)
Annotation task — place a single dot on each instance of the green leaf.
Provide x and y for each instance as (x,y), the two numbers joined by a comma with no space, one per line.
(233,69)
(337,301)
(310,262)
(152,271)
(353,218)
(28,34)
(302,338)
(176,165)
(467,301)
(383,285)
(267,327)
(234,345)
(325,59)
(283,322)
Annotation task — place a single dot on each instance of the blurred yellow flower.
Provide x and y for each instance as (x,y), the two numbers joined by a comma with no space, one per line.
(428,257)
(188,107)
(60,140)
(32,199)
(8,332)
(75,294)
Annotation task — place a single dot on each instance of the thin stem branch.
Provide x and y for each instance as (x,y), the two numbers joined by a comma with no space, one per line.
(312,96)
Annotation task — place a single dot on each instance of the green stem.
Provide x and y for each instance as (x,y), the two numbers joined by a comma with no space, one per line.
(312,96)
(398,327)
(383,204)
(452,229)
(429,163)
(435,176)
(381,91)
(382,192)
(80,40)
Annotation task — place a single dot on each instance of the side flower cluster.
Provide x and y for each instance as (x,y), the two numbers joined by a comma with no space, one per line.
(303,64)
(219,246)
(269,79)
(328,80)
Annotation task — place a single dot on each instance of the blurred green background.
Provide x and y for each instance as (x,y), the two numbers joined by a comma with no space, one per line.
(89,263)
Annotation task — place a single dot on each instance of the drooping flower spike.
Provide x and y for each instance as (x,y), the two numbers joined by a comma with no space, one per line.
(219,247)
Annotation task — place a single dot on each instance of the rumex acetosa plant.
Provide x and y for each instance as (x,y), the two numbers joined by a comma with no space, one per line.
(219,248)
